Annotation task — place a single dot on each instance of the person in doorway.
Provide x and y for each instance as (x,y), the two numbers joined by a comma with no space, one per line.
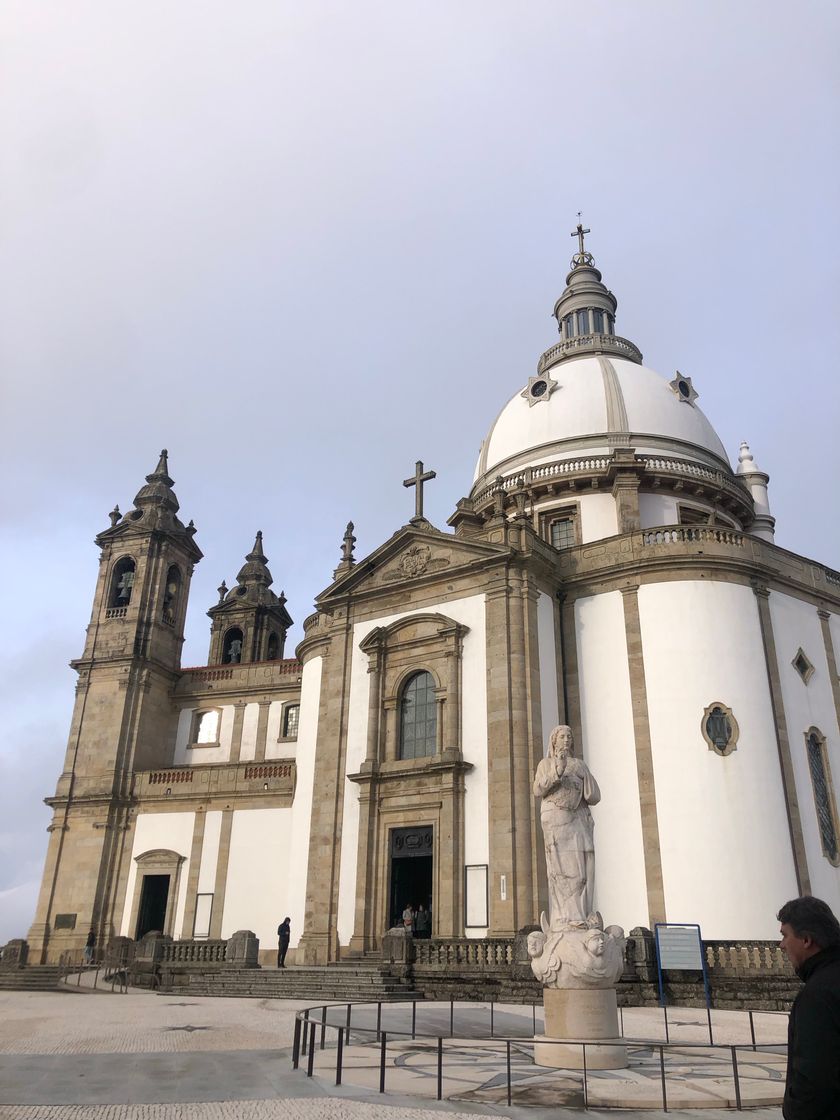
(408,919)
(421,922)
(90,945)
(811,940)
(283,935)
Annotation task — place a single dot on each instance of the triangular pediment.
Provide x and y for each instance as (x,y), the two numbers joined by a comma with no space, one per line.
(413,554)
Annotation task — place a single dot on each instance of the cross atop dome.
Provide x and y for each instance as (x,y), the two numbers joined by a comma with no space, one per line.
(581,257)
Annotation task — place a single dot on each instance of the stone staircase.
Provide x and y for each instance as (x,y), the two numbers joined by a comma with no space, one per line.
(35,978)
(350,982)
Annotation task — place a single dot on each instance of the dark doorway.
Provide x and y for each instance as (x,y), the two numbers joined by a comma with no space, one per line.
(411,870)
(153,898)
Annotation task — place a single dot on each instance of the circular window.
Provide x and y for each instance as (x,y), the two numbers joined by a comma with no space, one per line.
(539,388)
(684,389)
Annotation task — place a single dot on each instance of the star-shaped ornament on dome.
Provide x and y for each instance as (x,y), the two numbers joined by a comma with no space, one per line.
(682,388)
(540,387)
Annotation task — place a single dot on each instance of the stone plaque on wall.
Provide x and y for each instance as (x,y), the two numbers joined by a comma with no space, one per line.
(65,921)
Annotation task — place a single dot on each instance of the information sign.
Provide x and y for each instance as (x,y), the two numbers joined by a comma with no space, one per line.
(679,947)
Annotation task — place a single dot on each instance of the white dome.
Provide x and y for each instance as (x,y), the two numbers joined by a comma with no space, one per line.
(596,399)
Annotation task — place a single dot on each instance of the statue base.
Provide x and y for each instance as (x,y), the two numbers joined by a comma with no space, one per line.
(587,1015)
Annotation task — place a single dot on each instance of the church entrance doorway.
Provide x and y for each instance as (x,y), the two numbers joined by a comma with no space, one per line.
(411,871)
(153,898)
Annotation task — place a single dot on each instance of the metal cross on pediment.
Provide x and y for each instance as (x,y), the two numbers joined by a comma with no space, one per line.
(579,234)
(419,478)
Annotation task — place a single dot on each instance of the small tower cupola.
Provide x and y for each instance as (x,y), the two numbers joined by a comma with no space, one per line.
(585,314)
(763,523)
(249,623)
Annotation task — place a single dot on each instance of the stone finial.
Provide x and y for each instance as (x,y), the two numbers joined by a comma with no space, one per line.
(115,515)
(223,590)
(348,544)
(255,568)
(191,529)
(746,461)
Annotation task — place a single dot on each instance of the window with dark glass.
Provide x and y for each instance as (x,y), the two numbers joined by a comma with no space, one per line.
(598,319)
(817,763)
(418,717)
(290,721)
(569,326)
(583,322)
(122,582)
(273,650)
(563,532)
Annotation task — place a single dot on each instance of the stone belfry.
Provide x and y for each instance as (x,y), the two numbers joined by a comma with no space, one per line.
(122,719)
(249,622)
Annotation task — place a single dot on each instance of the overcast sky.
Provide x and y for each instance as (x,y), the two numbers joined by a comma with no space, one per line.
(303,244)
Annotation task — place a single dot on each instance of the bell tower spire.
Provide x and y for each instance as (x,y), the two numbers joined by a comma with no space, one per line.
(249,623)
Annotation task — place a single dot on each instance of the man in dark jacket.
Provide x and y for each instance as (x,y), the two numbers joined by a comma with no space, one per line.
(811,939)
(283,934)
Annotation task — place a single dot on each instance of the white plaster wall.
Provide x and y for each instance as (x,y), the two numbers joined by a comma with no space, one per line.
(795,624)
(549,700)
(248,748)
(210,852)
(657,509)
(598,517)
(301,815)
(173,832)
(726,852)
(471,613)
(609,750)
(185,755)
(256,891)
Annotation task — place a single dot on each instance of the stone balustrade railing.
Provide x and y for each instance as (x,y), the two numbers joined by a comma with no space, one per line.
(590,343)
(193,952)
(682,534)
(746,958)
(483,953)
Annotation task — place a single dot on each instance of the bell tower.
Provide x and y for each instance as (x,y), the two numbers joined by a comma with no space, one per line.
(122,719)
(249,622)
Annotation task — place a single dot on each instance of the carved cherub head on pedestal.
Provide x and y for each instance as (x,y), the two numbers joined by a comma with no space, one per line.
(579,958)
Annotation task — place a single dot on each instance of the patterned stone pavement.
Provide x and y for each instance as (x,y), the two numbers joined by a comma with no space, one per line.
(72,1055)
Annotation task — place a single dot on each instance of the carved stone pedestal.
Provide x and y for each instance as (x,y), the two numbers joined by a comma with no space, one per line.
(587,1015)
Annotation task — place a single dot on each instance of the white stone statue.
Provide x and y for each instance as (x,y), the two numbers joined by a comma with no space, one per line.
(567,789)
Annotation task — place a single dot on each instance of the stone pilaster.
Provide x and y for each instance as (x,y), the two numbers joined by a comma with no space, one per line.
(797,840)
(262,731)
(221,874)
(236,734)
(831,660)
(192,879)
(644,757)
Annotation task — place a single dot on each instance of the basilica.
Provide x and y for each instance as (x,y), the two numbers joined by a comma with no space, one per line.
(609,569)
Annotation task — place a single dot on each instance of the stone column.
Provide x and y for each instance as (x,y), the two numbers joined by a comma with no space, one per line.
(192,878)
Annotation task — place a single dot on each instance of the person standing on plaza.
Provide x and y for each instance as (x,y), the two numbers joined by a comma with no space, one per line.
(408,918)
(811,940)
(90,945)
(283,934)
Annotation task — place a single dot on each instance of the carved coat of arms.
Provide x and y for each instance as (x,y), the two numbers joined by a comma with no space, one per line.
(415,560)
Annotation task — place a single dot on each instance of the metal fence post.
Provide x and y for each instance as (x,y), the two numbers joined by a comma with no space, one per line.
(296,1045)
(339,1055)
(491,1019)
(737,1083)
(752,1030)
(507,1045)
(585,1085)
(347,1024)
(440,1069)
(310,1062)
(452,1018)
(383,1044)
(413,1018)
(323,1024)
(378,1020)
(662,1072)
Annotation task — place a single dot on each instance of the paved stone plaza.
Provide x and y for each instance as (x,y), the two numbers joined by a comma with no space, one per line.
(79,1055)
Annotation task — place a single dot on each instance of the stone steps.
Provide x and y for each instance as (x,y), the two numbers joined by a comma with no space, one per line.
(35,978)
(348,982)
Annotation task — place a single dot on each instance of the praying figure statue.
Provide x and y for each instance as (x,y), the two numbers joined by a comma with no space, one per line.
(567,789)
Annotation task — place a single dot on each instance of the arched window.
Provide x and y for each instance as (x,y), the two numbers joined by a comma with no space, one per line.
(823,794)
(171,593)
(273,651)
(418,717)
(291,717)
(232,647)
(122,582)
